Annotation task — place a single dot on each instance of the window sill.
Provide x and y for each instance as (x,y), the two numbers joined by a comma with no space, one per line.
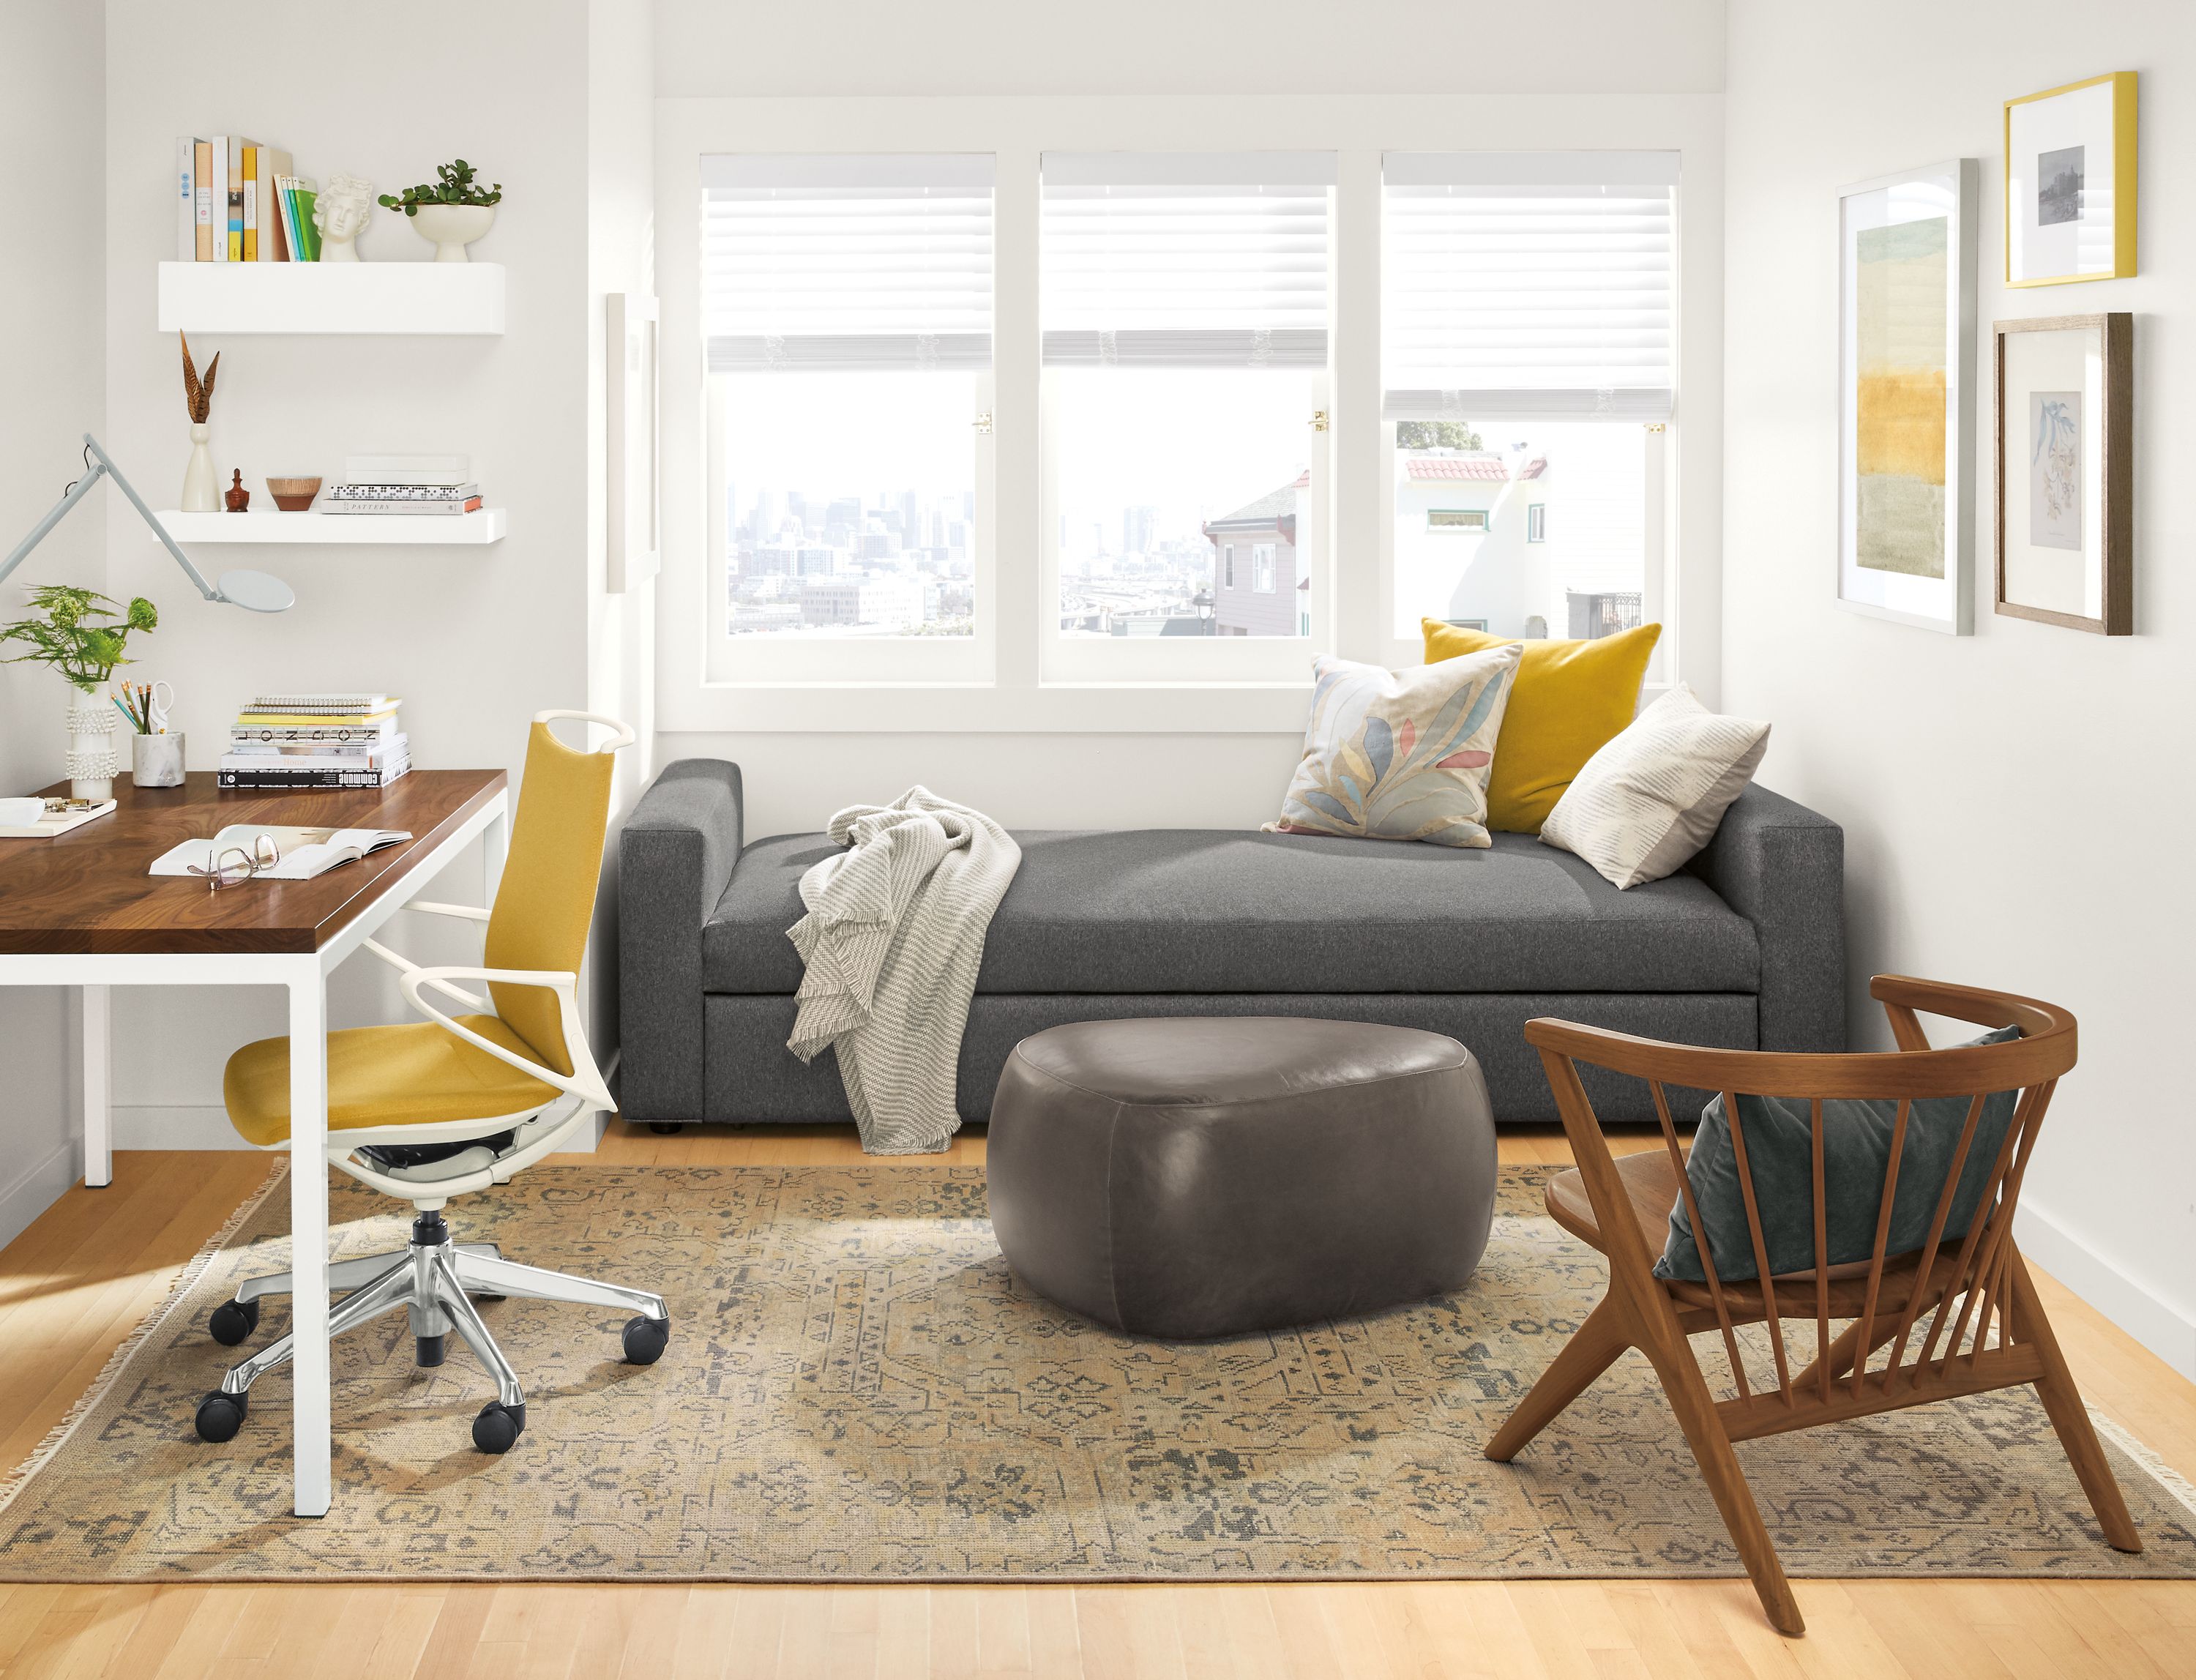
(943,708)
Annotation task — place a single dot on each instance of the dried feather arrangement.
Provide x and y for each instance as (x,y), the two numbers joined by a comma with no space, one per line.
(198,398)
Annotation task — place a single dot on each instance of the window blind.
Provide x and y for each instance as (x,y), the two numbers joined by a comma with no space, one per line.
(1519,287)
(849,262)
(1185,260)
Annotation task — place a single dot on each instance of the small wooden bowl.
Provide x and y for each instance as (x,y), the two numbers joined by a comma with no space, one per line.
(293,495)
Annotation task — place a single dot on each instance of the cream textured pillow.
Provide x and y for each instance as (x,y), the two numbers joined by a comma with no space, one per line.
(1652,797)
(1401,754)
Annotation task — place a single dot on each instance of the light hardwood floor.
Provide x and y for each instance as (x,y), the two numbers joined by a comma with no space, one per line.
(73,1285)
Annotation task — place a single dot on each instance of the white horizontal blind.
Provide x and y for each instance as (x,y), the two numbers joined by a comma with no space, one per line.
(850,263)
(1186,260)
(1524,286)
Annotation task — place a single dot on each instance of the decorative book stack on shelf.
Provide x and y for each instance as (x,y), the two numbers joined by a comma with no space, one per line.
(406,485)
(293,741)
(238,202)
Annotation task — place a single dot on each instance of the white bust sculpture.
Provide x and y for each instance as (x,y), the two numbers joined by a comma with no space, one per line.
(340,212)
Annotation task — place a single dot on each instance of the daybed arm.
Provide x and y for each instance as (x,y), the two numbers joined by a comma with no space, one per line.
(675,855)
(1782,867)
(584,1082)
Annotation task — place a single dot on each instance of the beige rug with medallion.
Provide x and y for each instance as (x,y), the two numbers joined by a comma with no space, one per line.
(858,1389)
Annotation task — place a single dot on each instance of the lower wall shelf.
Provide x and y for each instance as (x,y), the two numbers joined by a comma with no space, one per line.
(485,525)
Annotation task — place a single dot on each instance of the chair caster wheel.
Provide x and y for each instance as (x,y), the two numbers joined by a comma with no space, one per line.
(644,1339)
(221,1415)
(232,1321)
(663,1130)
(498,1426)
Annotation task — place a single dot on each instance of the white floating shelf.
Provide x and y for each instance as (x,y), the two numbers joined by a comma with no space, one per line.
(409,530)
(440,298)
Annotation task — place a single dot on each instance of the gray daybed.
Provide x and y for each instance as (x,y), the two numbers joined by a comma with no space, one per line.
(1744,947)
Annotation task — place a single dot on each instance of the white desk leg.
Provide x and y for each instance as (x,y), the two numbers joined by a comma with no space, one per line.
(98,1088)
(308,1239)
(495,846)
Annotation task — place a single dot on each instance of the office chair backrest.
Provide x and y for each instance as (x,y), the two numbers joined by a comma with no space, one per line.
(546,900)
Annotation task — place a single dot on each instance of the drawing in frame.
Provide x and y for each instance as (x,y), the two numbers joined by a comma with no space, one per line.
(2064,502)
(1906,373)
(2070,182)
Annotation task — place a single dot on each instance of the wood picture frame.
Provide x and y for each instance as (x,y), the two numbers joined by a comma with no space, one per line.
(2096,508)
(632,544)
(2070,182)
(1907,355)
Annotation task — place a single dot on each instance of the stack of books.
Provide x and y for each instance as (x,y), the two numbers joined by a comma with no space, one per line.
(405,484)
(315,740)
(238,202)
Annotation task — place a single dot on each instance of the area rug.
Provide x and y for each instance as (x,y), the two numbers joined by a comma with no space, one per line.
(856,1388)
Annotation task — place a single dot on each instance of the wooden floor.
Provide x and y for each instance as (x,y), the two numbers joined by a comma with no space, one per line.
(74,1285)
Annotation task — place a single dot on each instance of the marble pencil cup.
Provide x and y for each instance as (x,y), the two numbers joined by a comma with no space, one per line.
(157,760)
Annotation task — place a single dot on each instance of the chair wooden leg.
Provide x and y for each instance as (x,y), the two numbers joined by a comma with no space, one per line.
(1665,1344)
(2062,1400)
(1595,1346)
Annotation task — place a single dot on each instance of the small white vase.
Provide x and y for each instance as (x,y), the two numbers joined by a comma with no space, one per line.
(451,227)
(91,762)
(201,489)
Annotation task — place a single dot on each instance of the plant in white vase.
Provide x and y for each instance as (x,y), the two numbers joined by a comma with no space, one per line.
(201,489)
(452,212)
(82,636)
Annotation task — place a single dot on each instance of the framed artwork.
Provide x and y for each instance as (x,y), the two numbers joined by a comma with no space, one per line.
(2070,182)
(633,544)
(2066,471)
(1906,358)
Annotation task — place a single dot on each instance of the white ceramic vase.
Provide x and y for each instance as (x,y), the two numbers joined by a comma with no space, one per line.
(201,489)
(451,227)
(91,762)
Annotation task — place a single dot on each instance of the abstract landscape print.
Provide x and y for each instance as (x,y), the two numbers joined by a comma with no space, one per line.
(1401,754)
(1902,303)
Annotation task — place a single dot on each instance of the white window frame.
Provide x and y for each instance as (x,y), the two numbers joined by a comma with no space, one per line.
(1017,696)
(1536,522)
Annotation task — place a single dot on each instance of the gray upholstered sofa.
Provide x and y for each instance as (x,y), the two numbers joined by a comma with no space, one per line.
(1745,947)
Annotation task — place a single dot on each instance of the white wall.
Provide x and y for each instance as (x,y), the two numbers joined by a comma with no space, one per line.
(1492,63)
(51,112)
(2015,803)
(475,639)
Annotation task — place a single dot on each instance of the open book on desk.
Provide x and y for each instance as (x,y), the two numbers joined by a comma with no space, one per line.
(304,852)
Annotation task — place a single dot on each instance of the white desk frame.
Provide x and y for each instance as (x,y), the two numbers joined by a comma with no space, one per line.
(305,976)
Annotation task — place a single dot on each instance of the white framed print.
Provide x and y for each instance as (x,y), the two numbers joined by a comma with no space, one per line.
(633,544)
(2070,182)
(1906,400)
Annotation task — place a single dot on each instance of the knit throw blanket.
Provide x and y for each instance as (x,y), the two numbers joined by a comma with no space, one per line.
(892,939)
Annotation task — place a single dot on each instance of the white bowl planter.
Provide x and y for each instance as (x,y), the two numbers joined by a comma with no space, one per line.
(451,227)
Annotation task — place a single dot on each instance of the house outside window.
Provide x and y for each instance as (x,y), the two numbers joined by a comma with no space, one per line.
(1228,559)
(1262,568)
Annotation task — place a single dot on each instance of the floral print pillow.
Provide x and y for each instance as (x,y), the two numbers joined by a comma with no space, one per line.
(1401,754)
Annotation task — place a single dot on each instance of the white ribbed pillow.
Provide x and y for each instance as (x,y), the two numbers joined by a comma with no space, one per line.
(1652,796)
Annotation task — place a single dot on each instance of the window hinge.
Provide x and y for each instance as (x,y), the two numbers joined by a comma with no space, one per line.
(983,424)
(1319,420)
(1655,426)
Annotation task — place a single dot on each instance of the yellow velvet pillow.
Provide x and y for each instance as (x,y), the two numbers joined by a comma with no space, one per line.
(1568,699)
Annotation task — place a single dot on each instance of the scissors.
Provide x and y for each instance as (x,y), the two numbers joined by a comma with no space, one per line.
(160,707)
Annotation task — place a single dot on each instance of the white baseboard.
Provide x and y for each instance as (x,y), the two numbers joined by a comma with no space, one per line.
(184,1126)
(2155,1322)
(38,1189)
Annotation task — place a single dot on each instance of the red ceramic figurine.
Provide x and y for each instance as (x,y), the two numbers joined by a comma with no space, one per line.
(237,497)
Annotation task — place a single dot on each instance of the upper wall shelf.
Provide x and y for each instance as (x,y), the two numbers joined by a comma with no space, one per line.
(439,298)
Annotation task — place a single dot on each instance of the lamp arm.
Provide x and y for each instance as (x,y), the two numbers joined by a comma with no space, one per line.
(146,513)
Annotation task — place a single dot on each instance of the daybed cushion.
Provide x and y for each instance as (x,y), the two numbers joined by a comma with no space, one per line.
(1176,910)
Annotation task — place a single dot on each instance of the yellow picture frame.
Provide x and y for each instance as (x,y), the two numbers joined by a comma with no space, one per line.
(2123,179)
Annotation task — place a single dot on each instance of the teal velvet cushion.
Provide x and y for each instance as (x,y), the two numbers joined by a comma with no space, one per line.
(1856,1153)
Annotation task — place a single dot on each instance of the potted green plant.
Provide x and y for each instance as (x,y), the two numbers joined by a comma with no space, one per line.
(82,635)
(451,212)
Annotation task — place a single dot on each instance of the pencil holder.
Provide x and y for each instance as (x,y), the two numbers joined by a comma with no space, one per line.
(157,760)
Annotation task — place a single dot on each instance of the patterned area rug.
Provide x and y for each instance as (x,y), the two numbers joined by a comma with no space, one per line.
(858,1389)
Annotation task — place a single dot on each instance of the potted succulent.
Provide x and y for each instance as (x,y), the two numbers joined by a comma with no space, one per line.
(450,213)
(82,636)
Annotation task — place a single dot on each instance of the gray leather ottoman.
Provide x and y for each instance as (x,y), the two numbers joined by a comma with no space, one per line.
(1208,1175)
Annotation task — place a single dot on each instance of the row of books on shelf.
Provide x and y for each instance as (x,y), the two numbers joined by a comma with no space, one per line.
(293,741)
(238,202)
(405,484)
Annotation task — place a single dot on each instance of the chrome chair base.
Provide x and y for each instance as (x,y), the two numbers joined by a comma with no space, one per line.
(436,1281)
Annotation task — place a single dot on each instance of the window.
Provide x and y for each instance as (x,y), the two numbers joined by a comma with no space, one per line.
(1184,305)
(1528,342)
(849,306)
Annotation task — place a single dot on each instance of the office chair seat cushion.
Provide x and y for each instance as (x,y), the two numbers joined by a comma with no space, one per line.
(413,1074)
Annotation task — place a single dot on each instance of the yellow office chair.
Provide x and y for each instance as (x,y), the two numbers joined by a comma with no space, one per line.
(442,1107)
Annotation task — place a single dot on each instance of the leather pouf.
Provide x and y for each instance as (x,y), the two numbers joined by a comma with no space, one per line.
(1208,1175)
